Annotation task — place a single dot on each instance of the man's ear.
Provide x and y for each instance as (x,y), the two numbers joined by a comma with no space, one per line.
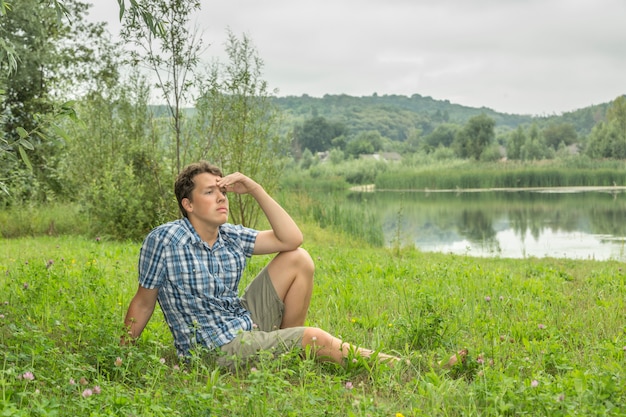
(186,203)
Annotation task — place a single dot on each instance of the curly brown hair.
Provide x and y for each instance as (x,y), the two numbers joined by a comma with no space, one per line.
(185,184)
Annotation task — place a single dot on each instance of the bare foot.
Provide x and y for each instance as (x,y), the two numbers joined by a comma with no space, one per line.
(461,356)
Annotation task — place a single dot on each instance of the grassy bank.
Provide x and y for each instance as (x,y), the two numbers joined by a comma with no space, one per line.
(499,176)
(545,337)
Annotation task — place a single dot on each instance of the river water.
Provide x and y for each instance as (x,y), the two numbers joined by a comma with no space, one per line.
(509,224)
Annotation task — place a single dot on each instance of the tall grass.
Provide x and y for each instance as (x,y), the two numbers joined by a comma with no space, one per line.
(331,210)
(51,220)
(545,337)
(498,176)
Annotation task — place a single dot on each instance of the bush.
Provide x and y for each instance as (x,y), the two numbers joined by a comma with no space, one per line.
(123,206)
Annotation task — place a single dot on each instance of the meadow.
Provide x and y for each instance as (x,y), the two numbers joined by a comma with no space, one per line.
(544,337)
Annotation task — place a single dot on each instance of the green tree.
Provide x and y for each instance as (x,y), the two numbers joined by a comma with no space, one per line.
(608,138)
(516,140)
(535,148)
(173,56)
(443,135)
(556,134)
(317,133)
(365,143)
(477,134)
(238,124)
(58,61)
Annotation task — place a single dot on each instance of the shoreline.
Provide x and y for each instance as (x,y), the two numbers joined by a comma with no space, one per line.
(368,188)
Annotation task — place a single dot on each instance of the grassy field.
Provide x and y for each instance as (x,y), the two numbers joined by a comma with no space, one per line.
(545,337)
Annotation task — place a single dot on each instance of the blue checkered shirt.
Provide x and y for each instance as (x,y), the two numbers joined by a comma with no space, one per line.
(197,283)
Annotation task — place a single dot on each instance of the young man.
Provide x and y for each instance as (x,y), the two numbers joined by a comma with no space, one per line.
(193,266)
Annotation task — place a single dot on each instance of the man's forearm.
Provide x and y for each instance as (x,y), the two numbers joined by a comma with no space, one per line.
(285,228)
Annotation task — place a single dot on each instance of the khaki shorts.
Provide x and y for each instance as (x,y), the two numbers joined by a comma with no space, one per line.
(267,310)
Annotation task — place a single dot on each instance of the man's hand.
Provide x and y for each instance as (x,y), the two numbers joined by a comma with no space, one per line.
(238,183)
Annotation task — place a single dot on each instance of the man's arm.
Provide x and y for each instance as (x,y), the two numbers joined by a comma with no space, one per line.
(139,312)
(285,235)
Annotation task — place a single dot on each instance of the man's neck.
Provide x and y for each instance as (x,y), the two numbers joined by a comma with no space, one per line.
(207,233)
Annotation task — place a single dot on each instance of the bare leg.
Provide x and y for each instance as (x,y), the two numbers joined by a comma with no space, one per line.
(328,347)
(292,276)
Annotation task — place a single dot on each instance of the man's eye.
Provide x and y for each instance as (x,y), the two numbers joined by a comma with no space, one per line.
(223,190)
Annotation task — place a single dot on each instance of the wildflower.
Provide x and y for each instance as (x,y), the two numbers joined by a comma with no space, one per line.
(253,369)
(162,360)
(97,238)
(480,359)
(349,385)
(28,376)
(97,389)
(118,361)
(72,382)
(49,263)
(314,339)
(83,381)
(534,383)
(1,316)
(487,298)
(399,415)
(26,285)
(176,368)
(502,298)
(542,326)
(561,398)
(624,348)
(87,393)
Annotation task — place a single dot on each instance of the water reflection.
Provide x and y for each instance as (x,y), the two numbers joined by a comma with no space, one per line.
(577,225)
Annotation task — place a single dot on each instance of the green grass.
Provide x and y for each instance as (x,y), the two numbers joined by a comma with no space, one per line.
(499,176)
(545,337)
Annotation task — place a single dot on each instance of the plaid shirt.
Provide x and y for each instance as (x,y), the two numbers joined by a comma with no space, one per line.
(197,283)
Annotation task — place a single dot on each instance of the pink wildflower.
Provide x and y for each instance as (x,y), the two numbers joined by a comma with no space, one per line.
(542,326)
(87,393)
(487,298)
(28,376)
(97,389)
(72,382)
(534,383)
(118,361)
(349,385)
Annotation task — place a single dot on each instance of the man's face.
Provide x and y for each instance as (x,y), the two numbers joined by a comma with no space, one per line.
(208,202)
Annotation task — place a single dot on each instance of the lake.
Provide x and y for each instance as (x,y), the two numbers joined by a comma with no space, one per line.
(509,224)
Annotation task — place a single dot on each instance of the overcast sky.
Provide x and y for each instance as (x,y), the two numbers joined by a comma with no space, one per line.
(516,56)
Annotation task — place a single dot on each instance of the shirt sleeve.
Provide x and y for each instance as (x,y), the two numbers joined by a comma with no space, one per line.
(151,267)
(244,237)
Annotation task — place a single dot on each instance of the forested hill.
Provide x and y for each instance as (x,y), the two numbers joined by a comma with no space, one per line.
(394,115)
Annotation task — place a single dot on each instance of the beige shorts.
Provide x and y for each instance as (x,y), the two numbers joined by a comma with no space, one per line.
(267,310)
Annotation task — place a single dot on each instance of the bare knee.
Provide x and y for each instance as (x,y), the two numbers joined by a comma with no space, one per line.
(303,259)
(314,336)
